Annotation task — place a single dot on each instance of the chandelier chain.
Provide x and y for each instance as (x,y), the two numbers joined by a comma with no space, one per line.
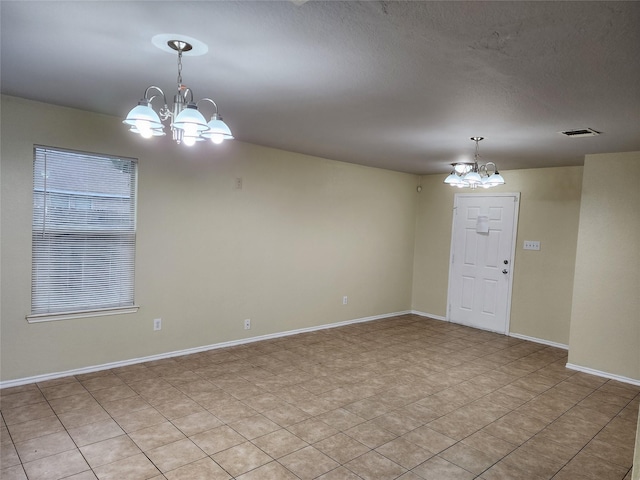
(179,69)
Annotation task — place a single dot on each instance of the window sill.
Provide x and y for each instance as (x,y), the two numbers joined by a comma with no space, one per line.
(51,317)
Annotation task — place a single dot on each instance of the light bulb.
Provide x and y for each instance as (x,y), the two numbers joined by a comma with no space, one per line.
(144,128)
(217,138)
(189,140)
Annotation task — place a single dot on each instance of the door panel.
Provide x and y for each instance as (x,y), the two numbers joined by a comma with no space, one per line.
(482,241)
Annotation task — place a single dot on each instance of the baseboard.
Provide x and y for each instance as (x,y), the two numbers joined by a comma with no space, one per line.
(429,315)
(539,340)
(177,353)
(599,373)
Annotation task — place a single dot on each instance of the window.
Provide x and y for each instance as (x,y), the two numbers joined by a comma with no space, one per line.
(84,233)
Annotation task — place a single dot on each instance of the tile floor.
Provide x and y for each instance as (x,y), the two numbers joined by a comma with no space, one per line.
(407,397)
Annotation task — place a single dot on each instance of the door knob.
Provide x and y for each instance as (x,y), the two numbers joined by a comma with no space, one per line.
(505,271)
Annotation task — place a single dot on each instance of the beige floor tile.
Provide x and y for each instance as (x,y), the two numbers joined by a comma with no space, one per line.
(73,402)
(404,453)
(95,432)
(156,436)
(196,423)
(241,458)
(87,475)
(429,439)
(341,448)
(507,432)
(21,399)
(8,455)
(136,467)
(174,455)
(13,473)
(125,405)
(468,458)
(83,416)
(340,473)
(130,422)
(108,451)
(102,382)
(312,430)
(262,403)
(201,469)
(27,413)
(367,408)
(34,428)
(322,400)
(44,446)
(285,415)
(64,390)
(506,471)
(56,466)
(270,471)
(528,460)
(308,463)
(341,419)
(594,468)
(398,422)
(255,426)
(490,445)
(370,434)
(112,394)
(279,443)
(563,435)
(217,439)
(177,409)
(233,411)
(373,466)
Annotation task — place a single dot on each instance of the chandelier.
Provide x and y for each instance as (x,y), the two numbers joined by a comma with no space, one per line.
(472,175)
(188,125)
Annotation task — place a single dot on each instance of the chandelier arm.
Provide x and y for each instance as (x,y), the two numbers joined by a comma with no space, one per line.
(164,111)
(207,99)
(186,90)
(158,89)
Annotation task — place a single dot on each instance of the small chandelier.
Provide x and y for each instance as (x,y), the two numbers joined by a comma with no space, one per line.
(472,175)
(188,125)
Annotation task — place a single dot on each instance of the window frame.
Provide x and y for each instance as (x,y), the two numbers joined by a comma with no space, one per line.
(103,230)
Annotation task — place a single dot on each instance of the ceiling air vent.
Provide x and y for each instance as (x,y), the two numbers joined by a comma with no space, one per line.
(582,132)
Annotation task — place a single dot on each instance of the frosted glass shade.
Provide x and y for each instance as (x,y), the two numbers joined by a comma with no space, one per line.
(191,121)
(472,178)
(144,121)
(218,130)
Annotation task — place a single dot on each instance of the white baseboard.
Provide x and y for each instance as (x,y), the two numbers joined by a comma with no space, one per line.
(177,353)
(429,315)
(539,340)
(599,373)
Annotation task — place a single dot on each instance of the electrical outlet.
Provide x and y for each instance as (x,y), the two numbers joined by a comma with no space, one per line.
(531,245)
(238,183)
(157,324)
(247,324)
(345,300)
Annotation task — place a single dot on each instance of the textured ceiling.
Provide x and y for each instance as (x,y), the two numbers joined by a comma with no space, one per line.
(398,85)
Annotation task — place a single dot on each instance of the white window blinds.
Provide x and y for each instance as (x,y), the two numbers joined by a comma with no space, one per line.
(84,231)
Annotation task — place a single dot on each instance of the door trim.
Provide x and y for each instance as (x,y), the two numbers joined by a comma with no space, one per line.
(516,199)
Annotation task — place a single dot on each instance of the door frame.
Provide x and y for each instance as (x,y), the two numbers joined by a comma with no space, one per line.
(516,197)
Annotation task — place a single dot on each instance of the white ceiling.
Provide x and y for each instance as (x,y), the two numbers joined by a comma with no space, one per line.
(398,85)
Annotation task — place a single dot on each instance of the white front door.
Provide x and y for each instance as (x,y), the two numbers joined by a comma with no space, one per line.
(482,251)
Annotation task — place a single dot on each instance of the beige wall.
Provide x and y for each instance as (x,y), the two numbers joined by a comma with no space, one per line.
(605,319)
(282,251)
(302,233)
(543,280)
